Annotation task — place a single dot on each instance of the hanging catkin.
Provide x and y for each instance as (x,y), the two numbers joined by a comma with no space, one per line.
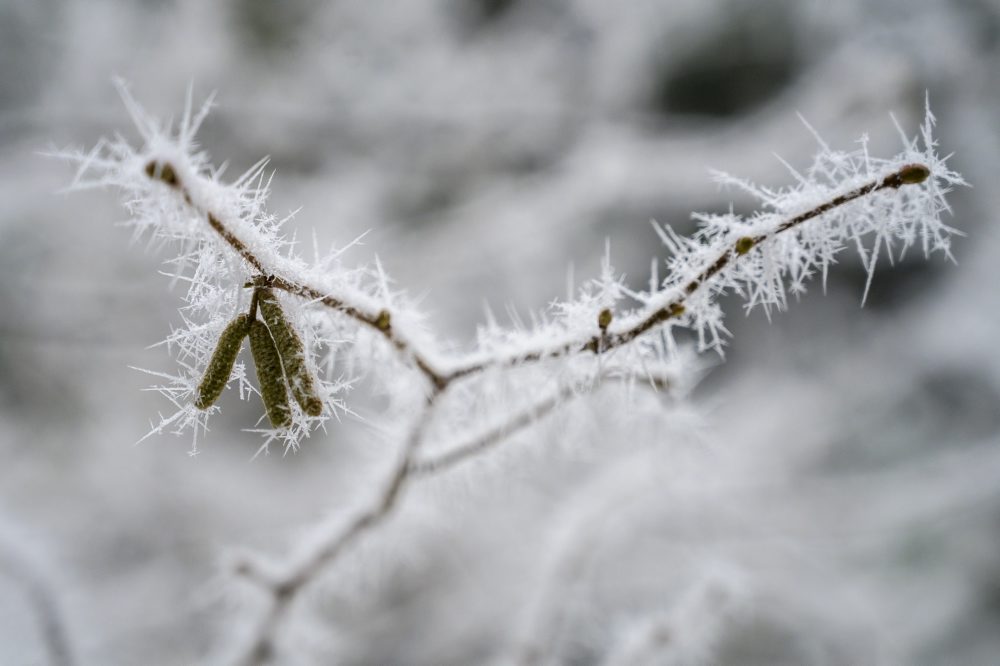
(292,354)
(272,381)
(220,366)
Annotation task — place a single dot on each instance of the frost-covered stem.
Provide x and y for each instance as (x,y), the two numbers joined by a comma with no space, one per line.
(381,322)
(606,340)
(602,342)
(490,438)
(285,589)
(910,174)
(483,441)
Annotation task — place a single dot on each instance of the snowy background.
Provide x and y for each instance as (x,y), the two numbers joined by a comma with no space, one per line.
(829,495)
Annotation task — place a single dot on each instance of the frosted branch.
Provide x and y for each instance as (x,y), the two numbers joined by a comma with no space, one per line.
(604,333)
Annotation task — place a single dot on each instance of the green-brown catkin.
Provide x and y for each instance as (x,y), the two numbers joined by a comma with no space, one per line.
(292,354)
(220,366)
(272,381)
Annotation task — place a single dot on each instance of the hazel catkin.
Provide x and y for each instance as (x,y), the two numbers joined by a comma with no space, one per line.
(220,366)
(269,374)
(291,352)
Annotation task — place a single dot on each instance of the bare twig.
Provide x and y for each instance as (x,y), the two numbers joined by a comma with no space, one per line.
(285,589)
(607,339)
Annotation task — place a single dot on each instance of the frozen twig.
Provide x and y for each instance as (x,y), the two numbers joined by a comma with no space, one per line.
(613,337)
(284,588)
(478,443)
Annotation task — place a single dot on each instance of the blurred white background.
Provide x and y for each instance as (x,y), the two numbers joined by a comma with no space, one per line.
(841,467)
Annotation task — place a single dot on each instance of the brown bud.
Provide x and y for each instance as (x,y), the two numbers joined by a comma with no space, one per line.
(744,245)
(269,374)
(162,171)
(291,352)
(604,318)
(220,366)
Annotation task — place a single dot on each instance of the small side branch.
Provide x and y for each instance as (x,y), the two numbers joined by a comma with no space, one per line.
(484,441)
(910,174)
(284,590)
